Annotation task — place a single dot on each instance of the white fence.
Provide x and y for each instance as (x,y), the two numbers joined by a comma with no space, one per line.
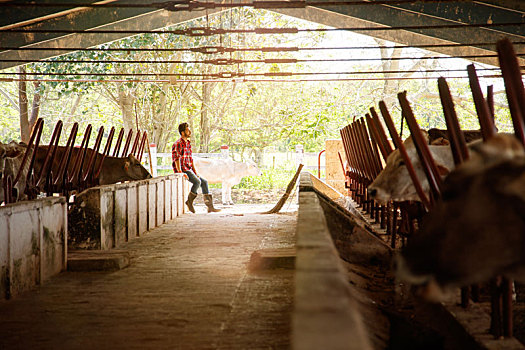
(162,161)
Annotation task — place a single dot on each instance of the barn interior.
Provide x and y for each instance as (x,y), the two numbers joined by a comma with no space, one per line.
(94,259)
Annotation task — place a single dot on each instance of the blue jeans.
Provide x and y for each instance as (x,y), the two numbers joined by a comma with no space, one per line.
(197,181)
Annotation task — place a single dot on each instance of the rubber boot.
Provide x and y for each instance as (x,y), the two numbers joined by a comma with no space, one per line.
(189,202)
(208,200)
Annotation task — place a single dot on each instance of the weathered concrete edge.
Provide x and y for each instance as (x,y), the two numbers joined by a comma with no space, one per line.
(325,313)
(133,208)
(33,247)
(472,322)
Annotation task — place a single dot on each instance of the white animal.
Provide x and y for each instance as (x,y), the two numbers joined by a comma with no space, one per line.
(225,171)
(394,182)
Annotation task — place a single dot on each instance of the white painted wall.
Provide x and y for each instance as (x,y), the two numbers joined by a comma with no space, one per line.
(33,245)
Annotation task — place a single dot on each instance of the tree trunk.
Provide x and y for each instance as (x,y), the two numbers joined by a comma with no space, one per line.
(205,121)
(22,102)
(75,105)
(125,101)
(390,87)
(35,109)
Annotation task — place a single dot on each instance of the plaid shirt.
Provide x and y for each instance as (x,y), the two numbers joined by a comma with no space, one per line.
(182,150)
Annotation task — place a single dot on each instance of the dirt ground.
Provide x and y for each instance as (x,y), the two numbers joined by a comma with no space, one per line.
(187,288)
(246,196)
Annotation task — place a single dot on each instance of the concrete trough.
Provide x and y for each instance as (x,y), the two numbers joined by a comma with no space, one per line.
(346,296)
(32,243)
(325,314)
(104,217)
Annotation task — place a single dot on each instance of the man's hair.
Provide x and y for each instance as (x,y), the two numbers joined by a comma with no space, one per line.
(182,127)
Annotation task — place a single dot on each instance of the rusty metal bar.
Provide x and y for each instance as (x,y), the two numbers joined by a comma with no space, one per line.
(64,162)
(48,184)
(459,151)
(36,133)
(149,154)
(427,162)
(372,144)
(395,215)
(368,158)
(51,150)
(118,143)
(384,147)
(396,139)
(488,129)
(126,145)
(79,160)
(377,153)
(357,166)
(365,151)
(507,306)
(92,160)
(30,189)
(376,137)
(375,165)
(369,166)
(367,172)
(135,144)
(381,132)
(107,148)
(140,151)
(496,327)
(348,174)
(356,160)
(513,86)
(353,173)
(365,165)
(490,101)
(399,144)
(379,210)
(458,144)
(358,155)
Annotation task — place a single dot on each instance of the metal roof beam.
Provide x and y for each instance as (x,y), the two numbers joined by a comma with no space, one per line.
(420,13)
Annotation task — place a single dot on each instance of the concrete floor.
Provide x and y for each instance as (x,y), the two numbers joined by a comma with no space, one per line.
(187,287)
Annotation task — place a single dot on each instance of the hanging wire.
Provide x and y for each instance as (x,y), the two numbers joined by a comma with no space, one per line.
(178,5)
(239,74)
(221,49)
(227,61)
(235,80)
(206,31)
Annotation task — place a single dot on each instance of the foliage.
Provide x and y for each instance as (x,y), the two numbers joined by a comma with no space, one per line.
(250,117)
(270,179)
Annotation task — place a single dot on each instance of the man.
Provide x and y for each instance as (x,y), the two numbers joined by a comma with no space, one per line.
(183,163)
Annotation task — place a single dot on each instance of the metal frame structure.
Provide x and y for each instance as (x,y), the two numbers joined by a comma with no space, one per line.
(55,176)
(501,295)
